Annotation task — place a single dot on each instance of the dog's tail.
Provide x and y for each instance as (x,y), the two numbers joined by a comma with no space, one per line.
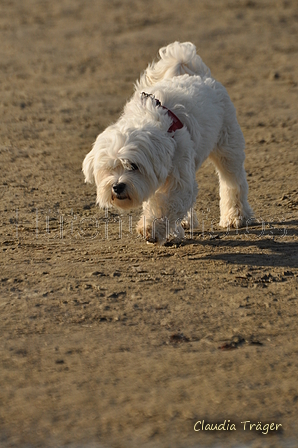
(176,59)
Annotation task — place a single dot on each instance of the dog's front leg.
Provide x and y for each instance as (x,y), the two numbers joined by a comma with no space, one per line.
(154,224)
(164,212)
(154,230)
(163,215)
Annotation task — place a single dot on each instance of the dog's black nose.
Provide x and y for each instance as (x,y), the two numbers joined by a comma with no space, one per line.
(119,188)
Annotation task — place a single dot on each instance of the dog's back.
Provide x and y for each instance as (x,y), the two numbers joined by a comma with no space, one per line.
(176,59)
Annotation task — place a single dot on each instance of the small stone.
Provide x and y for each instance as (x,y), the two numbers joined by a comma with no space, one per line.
(97,273)
(274,76)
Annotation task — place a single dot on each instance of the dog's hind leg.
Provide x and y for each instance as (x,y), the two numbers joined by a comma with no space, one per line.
(228,158)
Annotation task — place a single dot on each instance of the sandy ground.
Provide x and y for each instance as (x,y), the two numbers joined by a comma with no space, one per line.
(107,341)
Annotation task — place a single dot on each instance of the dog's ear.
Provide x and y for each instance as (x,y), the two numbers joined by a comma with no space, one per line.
(88,167)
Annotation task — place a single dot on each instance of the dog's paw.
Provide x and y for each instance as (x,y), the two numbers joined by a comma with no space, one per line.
(153,235)
(235,220)
(190,221)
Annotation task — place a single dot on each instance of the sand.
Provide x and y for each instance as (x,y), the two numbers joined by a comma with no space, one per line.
(107,341)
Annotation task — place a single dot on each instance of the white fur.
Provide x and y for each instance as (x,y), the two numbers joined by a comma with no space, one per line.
(165,182)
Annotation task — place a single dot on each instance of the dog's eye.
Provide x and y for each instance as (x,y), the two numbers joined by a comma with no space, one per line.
(133,167)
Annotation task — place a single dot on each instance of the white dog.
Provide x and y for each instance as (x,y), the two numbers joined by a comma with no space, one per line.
(178,116)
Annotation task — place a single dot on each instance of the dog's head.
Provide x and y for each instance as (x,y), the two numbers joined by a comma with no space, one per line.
(128,164)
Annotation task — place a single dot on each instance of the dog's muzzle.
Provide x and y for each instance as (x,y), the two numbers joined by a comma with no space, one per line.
(119,190)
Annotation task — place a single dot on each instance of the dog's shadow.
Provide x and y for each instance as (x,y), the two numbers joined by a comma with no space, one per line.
(277,246)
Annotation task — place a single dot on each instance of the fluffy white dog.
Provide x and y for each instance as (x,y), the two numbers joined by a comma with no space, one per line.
(178,116)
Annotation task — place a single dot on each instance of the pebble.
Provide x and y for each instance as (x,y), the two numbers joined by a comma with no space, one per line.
(96,273)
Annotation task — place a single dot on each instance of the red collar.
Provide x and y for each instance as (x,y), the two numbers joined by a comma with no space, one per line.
(176,123)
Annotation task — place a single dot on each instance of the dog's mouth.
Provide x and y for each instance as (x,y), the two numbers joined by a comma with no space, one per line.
(121,201)
(120,197)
